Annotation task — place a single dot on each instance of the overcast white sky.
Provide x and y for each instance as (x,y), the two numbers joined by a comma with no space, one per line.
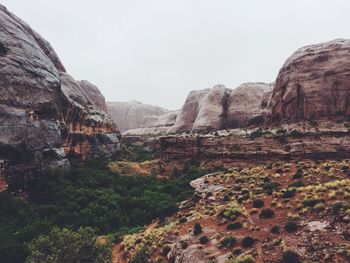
(156,51)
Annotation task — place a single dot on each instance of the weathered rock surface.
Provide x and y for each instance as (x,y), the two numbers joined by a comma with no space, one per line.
(247,104)
(221,108)
(237,146)
(314,83)
(189,111)
(157,126)
(94,94)
(133,114)
(90,131)
(42,109)
(29,101)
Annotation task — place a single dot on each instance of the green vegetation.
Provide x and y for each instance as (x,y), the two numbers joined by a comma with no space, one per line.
(136,153)
(83,247)
(88,196)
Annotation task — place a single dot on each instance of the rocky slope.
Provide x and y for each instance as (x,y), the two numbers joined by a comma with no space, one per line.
(284,212)
(221,108)
(44,113)
(133,114)
(314,83)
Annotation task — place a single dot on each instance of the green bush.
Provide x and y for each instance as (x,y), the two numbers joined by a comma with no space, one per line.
(290,257)
(258,203)
(197,229)
(248,242)
(266,213)
(228,241)
(63,245)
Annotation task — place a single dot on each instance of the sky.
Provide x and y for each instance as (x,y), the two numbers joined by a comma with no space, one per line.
(157,51)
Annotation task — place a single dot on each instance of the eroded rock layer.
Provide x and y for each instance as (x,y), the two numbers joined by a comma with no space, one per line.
(44,113)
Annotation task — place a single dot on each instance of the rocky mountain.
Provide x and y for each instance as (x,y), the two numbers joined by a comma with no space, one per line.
(133,114)
(314,83)
(221,108)
(44,113)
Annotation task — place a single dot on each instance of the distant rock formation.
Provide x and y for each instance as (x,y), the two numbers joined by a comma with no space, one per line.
(247,104)
(133,114)
(44,113)
(314,83)
(157,126)
(221,108)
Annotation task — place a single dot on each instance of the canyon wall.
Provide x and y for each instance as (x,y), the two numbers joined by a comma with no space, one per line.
(44,113)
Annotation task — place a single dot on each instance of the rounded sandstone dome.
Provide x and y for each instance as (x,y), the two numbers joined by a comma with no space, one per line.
(314,83)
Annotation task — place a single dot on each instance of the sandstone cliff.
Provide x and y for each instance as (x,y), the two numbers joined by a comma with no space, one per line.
(133,114)
(314,83)
(221,108)
(42,109)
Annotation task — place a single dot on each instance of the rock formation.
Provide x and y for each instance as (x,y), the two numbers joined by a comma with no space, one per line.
(94,94)
(221,108)
(156,126)
(247,104)
(314,83)
(133,114)
(42,109)
(90,131)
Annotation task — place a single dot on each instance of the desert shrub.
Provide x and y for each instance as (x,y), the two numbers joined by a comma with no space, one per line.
(228,241)
(309,202)
(197,229)
(266,213)
(203,240)
(165,250)
(289,193)
(269,187)
(258,203)
(291,226)
(275,230)
(243,259)
(339,206)
(231,213)
(234,226)
(290,257)
(298,174)
(248,242)
(296,184)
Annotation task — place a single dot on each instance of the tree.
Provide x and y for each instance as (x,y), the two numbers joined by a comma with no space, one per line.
(63,245)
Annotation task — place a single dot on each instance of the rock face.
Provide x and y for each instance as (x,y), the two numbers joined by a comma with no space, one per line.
(133,114)
(42,109)
(157,126)
(221,108)
(247,104)
(94,94)
(298,141)
(314,83)
(90,131)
